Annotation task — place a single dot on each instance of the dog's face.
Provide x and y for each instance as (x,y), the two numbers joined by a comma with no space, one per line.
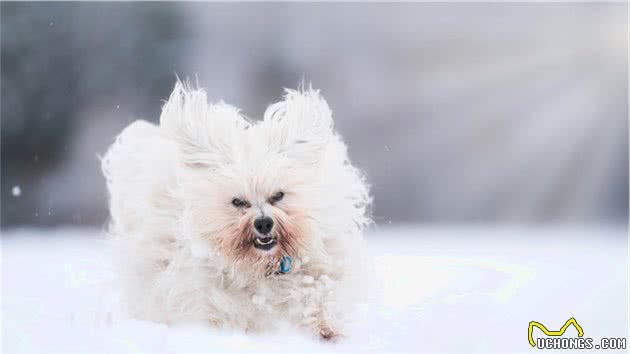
(259,212)
(256,191)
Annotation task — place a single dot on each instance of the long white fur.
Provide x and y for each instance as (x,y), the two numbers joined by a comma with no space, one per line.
(170,190)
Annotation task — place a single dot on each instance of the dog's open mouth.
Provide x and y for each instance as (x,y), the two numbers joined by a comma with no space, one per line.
(264,242)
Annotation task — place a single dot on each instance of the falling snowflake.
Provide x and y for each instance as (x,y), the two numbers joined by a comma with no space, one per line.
(16,191)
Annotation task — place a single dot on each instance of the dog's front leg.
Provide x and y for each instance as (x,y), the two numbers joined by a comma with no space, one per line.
(319,314)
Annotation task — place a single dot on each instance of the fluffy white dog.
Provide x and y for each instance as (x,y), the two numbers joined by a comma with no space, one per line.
(237,223)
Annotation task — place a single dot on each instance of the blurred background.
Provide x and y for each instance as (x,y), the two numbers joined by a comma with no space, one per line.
(458,113)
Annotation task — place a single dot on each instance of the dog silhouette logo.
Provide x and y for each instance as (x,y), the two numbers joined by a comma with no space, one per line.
(558,333)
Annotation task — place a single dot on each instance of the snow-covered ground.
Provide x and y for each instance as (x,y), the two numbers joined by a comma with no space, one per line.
(433,289)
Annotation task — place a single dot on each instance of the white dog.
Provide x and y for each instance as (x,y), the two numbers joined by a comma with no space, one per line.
(236,223)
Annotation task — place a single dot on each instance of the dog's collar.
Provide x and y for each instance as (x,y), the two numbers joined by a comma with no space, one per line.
(285,265)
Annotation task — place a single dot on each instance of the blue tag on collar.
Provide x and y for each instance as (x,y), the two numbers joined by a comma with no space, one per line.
(285,264)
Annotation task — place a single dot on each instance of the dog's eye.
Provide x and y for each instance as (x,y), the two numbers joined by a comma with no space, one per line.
(240,203)
(276,197)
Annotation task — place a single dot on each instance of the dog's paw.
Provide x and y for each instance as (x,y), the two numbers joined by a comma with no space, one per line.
(329,335)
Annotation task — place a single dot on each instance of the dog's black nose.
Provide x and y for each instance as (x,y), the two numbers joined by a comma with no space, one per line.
(263,225)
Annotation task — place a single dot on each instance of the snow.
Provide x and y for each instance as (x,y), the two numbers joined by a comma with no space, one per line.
(433,290)
(16,191)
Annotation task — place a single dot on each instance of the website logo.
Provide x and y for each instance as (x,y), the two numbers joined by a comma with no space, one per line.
(554,339)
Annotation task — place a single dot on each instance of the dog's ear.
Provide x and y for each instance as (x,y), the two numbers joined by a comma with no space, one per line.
(205,133)
(300,125)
